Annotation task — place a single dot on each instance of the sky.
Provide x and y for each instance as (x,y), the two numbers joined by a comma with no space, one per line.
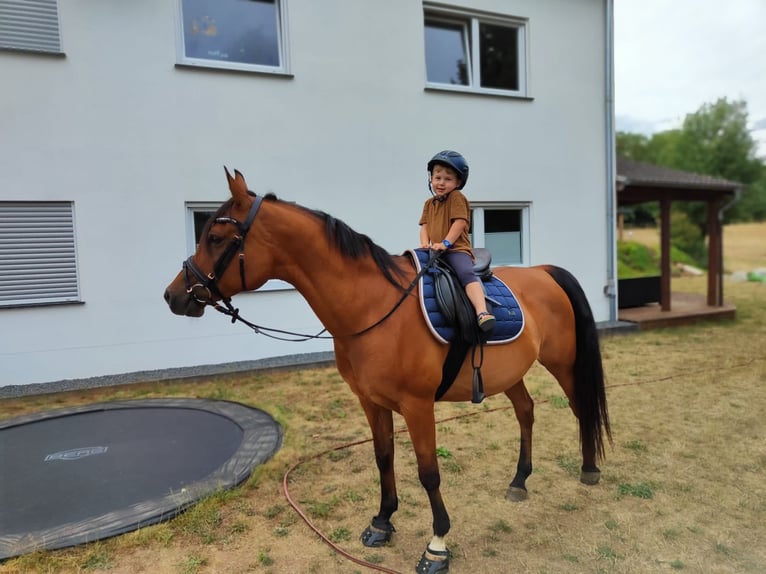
(673,56)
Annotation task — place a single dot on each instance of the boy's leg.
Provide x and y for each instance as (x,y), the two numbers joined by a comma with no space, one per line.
(476,295)
(463,266)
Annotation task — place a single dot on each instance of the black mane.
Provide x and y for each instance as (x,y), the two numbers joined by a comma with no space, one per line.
(353,244)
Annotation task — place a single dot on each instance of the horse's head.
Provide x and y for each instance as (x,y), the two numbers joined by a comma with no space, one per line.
(217,270)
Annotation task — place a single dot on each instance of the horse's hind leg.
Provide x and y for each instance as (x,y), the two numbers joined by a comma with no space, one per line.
(574,358)
(589,473)
(381,423)
(524,407)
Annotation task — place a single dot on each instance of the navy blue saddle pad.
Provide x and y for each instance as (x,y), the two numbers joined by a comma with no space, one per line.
(502,304)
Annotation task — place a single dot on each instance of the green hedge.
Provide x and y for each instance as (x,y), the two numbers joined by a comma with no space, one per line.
(637,260)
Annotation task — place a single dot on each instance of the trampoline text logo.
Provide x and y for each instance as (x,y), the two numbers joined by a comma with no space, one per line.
(76,453)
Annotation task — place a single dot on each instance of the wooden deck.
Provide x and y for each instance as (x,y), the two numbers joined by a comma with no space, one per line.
(685,309)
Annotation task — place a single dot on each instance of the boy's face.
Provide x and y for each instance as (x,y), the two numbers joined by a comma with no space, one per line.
(443,180)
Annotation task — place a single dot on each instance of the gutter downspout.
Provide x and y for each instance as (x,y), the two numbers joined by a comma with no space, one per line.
(735,199)
(610,289)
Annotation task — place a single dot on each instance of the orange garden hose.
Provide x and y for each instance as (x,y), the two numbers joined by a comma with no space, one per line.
(379,568)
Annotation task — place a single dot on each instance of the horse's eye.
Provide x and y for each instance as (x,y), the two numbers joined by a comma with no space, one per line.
(215,239)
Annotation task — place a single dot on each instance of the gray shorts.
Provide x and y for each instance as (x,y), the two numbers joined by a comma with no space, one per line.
(462,263)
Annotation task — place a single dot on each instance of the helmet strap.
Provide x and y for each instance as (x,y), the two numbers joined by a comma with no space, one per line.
(431,189)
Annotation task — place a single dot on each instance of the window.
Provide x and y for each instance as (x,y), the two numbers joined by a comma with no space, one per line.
(30,25)
(233,34)
(465,52)
(37,253)
(504,230)
(197,214)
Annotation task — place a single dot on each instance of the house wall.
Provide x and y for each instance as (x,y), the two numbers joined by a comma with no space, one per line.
(119,129)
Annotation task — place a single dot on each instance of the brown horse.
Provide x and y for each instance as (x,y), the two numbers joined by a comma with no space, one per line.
(391,360)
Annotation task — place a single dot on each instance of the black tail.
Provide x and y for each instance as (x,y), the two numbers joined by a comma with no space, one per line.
(590,396)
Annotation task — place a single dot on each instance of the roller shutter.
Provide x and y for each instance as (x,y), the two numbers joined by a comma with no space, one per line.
(37,253)
(30,25)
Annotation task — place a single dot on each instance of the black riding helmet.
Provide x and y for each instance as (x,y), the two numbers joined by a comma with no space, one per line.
(454,160)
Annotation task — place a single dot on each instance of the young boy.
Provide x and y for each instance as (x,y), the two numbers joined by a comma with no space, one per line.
(444,226)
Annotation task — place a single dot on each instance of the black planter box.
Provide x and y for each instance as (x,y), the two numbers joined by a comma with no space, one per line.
(638,291)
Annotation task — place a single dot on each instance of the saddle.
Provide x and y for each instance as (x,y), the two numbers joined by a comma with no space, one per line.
(451,296)
(452,319)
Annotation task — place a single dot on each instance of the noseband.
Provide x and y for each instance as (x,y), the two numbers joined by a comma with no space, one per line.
(209,282)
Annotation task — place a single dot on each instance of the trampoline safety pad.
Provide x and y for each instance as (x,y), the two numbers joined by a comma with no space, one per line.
(81,474)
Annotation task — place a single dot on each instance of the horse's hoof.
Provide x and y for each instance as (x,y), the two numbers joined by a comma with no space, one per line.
(516,494)
(375,537)
(433,562)
(590,477)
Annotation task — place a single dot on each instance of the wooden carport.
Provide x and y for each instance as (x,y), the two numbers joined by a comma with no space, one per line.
(639,182)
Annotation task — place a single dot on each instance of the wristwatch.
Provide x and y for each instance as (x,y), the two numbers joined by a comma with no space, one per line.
(447,244)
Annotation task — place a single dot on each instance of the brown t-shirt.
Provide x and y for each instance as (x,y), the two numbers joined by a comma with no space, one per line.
(438,216)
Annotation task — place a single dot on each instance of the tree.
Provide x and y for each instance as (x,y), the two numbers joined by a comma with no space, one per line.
(664,148)
(752,205)
(660,149)
(713,141)
(632,146)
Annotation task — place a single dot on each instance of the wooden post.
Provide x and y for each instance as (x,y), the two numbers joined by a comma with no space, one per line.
(714,255)
(620,225)
(665,273)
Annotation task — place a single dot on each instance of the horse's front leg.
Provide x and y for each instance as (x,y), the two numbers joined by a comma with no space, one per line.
(524,407)
(381,423)
(422,428)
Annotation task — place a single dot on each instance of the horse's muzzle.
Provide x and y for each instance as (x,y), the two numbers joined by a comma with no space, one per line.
(183,303)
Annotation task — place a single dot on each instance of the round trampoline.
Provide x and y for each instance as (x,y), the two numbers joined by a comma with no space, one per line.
(76,475)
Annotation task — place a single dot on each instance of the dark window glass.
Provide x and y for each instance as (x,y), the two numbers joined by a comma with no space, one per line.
(242,31)
(502,220)
(499,57)
(200,219)
(446,58)
(502,234)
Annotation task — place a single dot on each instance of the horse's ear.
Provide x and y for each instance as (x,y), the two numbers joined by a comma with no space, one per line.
(237,185)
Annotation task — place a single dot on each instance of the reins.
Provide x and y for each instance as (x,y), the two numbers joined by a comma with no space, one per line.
(209,282)
(232,312)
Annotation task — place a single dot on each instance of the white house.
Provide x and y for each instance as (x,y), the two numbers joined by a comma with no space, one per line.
(116,119)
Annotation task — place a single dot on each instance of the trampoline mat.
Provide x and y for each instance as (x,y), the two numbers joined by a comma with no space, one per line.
(76,475)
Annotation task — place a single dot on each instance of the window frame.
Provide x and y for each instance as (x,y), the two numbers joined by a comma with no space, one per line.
(478,237)
(193,207)
(471,21)
(38,252)
(283,69)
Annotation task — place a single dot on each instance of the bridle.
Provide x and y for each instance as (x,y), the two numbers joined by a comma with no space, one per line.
(208,283)
(205,290)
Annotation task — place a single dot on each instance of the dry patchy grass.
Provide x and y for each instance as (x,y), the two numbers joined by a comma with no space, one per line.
(683,487)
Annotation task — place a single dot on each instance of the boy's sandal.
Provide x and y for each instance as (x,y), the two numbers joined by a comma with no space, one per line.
(486,321)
